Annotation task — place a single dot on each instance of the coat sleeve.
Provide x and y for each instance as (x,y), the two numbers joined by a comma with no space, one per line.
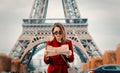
(71,58)
(47,59)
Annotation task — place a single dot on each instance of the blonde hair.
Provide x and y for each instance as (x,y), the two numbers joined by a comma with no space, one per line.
(59,25)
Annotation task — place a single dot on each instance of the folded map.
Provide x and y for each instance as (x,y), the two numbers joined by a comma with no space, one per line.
(64,49)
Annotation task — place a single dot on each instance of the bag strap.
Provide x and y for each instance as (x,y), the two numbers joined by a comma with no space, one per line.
(65,61)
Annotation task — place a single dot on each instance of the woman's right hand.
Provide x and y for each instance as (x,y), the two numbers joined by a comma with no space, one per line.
(46,53)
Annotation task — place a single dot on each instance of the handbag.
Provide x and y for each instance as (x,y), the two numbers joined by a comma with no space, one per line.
(70,69)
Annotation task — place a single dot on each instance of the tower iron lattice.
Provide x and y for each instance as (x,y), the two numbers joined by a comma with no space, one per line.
(37,30)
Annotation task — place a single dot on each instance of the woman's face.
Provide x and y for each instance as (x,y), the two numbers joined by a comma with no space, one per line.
(57,33)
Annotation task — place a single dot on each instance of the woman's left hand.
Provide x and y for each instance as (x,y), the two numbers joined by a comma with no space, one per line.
(69,53)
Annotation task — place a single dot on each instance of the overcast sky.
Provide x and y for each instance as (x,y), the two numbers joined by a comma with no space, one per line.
(103,19)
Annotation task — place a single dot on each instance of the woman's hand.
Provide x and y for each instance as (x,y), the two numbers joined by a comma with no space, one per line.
(68,54)
(46,53)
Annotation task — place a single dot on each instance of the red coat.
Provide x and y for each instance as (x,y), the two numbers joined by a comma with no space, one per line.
(56,63)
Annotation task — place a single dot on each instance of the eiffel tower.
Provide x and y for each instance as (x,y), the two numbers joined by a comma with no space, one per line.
(37,31)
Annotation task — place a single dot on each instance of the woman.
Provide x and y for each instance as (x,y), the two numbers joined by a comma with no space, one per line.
(56,62)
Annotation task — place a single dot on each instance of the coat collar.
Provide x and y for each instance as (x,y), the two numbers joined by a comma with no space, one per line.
(56,43)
